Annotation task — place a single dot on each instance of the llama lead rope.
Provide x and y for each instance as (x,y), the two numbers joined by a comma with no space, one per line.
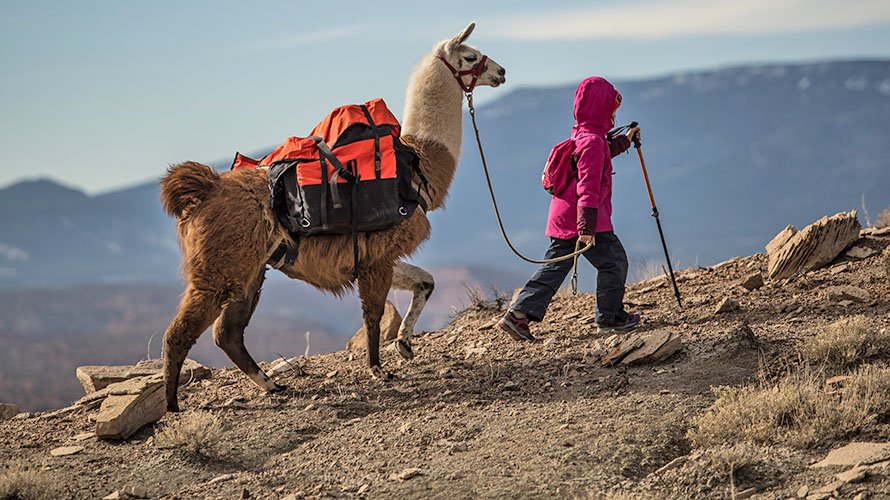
(497,213)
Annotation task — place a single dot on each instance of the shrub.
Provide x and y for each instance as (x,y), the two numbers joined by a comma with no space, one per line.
(846,344)
(799,410)
(20,483)
(198,434)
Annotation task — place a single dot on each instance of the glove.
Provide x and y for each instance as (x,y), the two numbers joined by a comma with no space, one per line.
(586,220)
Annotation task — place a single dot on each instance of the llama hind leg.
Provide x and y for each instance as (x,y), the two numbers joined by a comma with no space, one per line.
(228,334)
(196,312)
(373,286)
(421,284)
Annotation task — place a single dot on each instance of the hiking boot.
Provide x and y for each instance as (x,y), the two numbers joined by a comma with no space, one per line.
(517,327)
(632,320)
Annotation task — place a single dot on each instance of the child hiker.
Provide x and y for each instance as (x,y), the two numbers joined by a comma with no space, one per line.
(583,211)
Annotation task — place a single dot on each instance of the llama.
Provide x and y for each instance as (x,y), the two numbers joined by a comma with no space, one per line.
(228,232)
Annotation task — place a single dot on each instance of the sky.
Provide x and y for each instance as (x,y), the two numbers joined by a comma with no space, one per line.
(101,95)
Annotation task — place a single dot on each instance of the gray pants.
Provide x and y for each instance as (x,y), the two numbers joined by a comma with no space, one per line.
(610,261)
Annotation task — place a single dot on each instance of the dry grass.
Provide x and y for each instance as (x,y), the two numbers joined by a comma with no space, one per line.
(722,471)
(196,434)
(799,410)
(883,219)
(490,299)
(846,344)
(20,483)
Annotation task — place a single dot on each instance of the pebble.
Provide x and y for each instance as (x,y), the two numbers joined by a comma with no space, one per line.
(409,473)
(220,479)
(803,491)
(65,451)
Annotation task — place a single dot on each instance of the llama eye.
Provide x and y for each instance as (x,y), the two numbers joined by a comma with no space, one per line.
(470,58)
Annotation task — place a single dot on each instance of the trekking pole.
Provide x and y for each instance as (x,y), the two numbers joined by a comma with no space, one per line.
(638,145)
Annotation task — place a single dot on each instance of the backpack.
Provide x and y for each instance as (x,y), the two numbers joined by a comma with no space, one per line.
(352,174)
(560,167)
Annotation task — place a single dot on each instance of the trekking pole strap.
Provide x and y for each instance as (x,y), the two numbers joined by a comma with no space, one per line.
(494,202)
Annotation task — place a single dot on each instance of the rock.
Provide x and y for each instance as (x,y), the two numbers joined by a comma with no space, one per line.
(726,305)
(651,344)
(116,495)
(407,474)
(831,487)
(135,491)
(83,436)
(803,491)
(854,475)
(845,303)
(752,281)
(8,410)
(628,345)
(780,239)
(511,386)
(284,365)
(389,329)
(361,490)
(445,373)
(475,352)
(842,268)
(673,464)
(860,252)
(64,451)
(95,378)
(133,404)
(854,454)
(814,246)
(222,478)
(459,448)
(846,292)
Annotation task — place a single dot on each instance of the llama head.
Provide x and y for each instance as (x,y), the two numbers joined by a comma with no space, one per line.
(463,57)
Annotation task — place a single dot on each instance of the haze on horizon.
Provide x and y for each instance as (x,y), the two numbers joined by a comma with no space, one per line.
(101,95)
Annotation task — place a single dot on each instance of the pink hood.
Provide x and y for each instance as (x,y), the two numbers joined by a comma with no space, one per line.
(594,104)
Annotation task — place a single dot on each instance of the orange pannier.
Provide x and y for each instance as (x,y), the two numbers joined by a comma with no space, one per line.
(352,174)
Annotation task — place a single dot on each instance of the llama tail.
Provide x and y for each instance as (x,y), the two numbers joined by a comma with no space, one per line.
(185,186)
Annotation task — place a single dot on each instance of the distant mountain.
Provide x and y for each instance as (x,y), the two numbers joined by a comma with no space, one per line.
(733,154)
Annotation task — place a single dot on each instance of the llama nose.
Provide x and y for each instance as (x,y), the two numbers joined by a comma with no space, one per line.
(502,72)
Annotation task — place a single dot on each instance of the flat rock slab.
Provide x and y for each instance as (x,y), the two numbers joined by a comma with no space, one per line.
(727,305)
(815,246)
(129,406)
(752,281)
(95,378)
(841,293)
(63,451)
(780,239)
(627,346)
(856,454)
(8,410)
(651,345)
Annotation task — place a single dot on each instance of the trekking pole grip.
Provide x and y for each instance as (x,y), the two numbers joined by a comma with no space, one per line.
(636,139)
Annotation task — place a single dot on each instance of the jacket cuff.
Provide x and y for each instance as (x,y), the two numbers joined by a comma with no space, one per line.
(619,144)
(586,220)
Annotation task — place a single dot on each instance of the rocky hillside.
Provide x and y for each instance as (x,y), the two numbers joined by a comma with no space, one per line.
(802,362)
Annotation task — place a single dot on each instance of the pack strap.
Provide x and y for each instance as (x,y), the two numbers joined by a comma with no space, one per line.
(339,171)
(377,153)
(284,253)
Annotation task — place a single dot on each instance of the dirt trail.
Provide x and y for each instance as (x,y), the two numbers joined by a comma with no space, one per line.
(481,415)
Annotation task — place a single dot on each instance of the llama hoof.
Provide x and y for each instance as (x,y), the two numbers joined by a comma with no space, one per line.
(173,408)
(380,374)
(405,350)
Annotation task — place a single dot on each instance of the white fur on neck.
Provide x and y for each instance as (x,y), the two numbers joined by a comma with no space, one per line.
(434,105)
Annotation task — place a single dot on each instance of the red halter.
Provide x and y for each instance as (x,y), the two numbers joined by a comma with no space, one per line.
(476,71)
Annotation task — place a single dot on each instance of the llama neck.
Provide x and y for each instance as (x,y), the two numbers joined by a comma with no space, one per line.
(432,122)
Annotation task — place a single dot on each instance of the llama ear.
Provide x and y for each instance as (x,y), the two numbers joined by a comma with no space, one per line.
(461,37)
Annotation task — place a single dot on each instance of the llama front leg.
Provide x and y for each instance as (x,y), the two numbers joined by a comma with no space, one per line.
(373,286)
(421,284)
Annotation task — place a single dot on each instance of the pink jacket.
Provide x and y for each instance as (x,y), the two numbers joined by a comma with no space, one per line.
(590,195)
